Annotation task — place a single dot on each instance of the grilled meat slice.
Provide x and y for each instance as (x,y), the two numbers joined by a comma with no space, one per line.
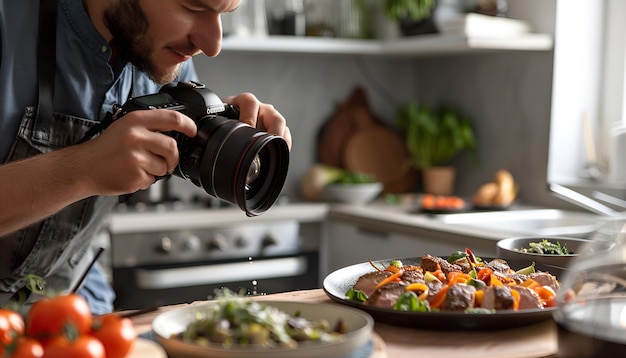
(517,278)
(464,263)
(499,265)
(412,276)
(546,279)
(429,263)
(434,287)
(498,297)
(527,298)
(459,297)
(387,295)
(368,282)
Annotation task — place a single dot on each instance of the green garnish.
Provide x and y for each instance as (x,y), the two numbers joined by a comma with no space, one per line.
(409,302)
(546,247)
(356,295)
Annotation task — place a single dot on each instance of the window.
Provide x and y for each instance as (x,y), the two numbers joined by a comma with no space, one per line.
(588,85)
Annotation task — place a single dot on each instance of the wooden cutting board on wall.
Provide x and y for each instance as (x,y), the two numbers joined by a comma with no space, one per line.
(354,139)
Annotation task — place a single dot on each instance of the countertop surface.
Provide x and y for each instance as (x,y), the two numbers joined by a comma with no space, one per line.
(538,340)
(519,220)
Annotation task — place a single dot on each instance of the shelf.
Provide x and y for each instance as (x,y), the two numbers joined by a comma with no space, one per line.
(423,45)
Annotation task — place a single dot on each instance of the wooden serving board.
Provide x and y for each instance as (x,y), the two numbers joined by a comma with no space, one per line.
(145,348)
(354,139)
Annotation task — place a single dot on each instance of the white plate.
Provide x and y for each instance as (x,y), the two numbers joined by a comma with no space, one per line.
(359,324)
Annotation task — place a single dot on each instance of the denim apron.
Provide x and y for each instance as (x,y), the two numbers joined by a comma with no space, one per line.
(54,248)
(58,247)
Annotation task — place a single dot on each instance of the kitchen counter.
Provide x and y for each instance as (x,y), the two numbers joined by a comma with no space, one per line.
(396,342)
(519,220)
(378,214)
(173,218)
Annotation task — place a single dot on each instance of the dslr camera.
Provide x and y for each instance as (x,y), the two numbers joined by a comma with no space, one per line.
(230,160)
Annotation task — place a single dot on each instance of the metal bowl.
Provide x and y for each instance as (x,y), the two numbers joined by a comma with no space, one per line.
(511,249)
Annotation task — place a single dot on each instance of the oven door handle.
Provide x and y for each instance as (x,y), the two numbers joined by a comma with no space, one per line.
(221,273)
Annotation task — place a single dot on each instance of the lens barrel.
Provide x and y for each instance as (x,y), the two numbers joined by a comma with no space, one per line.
(221,155)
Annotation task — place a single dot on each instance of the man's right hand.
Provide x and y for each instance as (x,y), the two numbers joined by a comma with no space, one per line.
(126,157)
(133,151)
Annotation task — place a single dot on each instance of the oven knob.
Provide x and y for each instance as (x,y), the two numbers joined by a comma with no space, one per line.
(191,243)
(218,242)
(268,241)
(241,242)
(165,245)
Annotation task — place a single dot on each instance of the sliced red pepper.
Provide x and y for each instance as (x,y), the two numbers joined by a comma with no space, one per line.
(483,274)
(457,277)
(471,256)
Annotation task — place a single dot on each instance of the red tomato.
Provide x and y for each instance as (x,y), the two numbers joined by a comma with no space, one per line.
(84,346)
(11,327)
(117,334)
(15,319)
(49,316)
(27,348)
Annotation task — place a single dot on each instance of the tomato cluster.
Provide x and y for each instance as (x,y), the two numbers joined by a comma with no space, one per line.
(442,202)
(63,326)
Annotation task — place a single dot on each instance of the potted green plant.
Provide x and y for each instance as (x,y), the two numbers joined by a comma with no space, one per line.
(414,17)
(433,139)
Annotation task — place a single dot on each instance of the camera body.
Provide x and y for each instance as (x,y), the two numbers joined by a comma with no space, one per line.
(230,160)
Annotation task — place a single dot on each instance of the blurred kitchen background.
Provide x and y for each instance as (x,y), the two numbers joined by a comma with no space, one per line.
(528,85)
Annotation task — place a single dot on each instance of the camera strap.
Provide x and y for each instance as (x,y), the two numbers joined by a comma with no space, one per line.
(46,66)
(109,117)
(98,127)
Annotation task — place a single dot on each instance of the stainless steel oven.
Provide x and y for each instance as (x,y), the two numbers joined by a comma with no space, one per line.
(191,258)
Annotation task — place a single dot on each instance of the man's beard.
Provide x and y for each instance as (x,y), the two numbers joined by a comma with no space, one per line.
(128,24)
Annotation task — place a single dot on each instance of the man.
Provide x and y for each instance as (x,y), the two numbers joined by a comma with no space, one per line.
(51,204)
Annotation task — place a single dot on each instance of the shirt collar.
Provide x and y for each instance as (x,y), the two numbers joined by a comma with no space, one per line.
(79,21)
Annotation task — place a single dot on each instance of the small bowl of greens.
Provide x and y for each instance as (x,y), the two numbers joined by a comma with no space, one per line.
(240,327)
(352,188)
(549,250)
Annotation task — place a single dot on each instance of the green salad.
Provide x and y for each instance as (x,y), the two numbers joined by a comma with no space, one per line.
(237,321)
(546,247)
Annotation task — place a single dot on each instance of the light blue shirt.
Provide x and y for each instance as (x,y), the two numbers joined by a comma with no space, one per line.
(86,86)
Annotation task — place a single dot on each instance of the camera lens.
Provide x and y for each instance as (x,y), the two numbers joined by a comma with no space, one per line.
(235,162)
(254,171)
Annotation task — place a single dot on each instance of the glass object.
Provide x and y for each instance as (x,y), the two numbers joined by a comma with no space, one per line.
(287,17)
(248,20)
(355,18)
(591,318)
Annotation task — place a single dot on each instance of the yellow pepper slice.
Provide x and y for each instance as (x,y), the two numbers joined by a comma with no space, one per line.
(419,287)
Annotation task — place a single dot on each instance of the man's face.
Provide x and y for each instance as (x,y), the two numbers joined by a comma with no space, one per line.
(158,36)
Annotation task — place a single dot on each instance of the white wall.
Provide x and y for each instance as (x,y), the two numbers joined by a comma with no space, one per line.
(507,94)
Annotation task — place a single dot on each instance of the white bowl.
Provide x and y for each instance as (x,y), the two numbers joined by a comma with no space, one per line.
(359,325)
(511,249)
(352,193)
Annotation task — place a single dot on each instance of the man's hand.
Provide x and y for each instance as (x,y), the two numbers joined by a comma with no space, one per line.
(133,151)
(261,116)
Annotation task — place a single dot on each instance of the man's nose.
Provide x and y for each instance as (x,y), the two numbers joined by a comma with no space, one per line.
(207,35)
